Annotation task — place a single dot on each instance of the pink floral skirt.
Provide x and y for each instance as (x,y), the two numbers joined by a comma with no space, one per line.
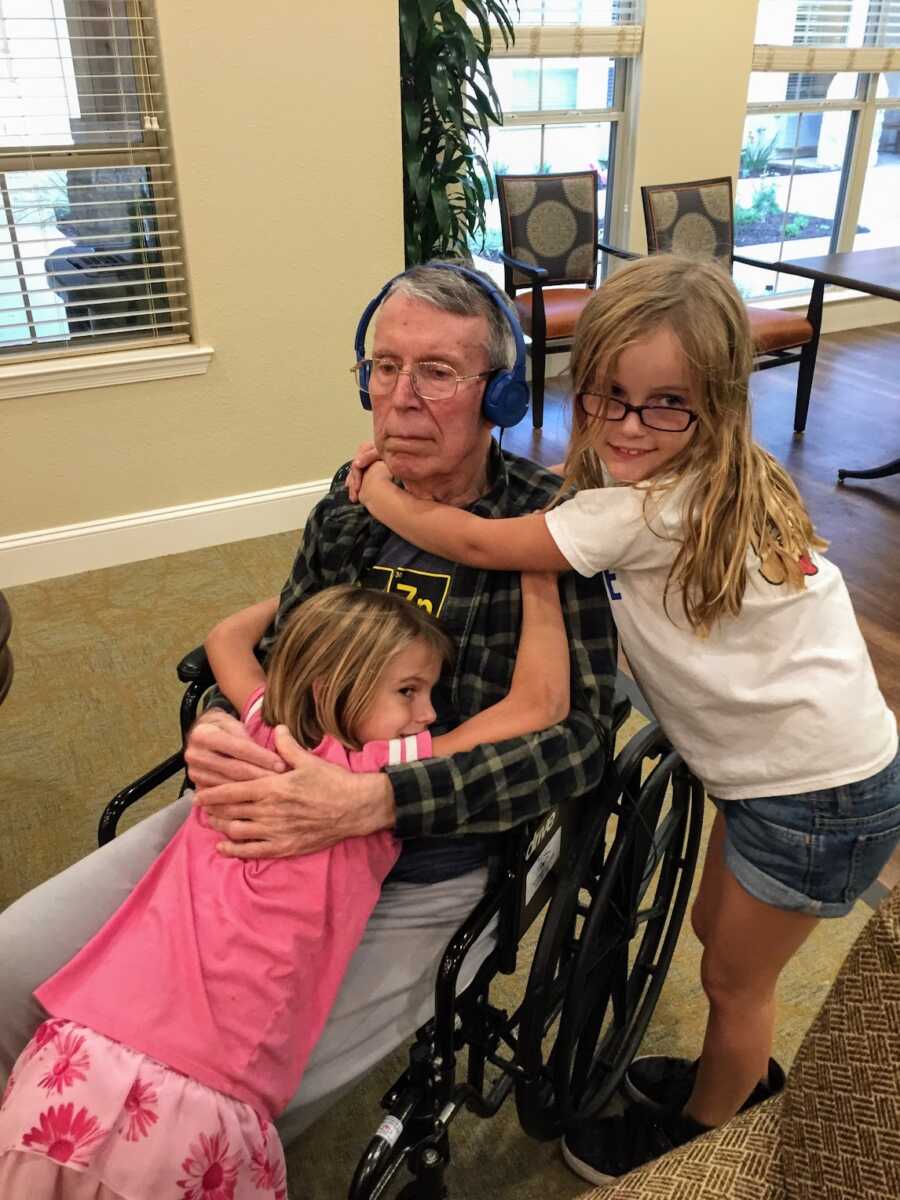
(129,1125)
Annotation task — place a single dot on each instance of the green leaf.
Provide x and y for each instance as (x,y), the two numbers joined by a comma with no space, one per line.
(449,105)
(412,120)
(409,25)
(439,200)
(477,180)
(476,8)
(498,11)
(439,88)
(421,190)
(484,105)
(412,172)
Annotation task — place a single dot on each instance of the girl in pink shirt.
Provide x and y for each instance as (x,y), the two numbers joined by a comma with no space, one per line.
(182,1029)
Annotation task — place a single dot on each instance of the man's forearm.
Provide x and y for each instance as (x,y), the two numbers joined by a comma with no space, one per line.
(373,805)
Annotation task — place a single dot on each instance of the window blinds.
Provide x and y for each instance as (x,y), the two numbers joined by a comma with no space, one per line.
(573,29)
(827,35)
(91,253)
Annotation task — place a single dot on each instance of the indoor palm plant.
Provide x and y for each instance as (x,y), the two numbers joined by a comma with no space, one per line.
(448,106)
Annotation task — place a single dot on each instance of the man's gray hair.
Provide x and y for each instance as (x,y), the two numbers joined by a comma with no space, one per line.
(452,292)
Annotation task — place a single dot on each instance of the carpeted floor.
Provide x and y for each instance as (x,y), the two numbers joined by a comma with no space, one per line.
(94,704)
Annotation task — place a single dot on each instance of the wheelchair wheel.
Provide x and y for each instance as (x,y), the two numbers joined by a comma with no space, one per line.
(608,939)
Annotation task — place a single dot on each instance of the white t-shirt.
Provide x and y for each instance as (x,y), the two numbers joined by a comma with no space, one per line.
(779,700)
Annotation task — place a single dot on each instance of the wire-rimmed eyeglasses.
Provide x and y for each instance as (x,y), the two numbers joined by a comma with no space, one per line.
(654,416)
(430,380)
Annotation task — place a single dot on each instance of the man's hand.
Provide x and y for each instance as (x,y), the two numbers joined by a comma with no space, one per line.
(311,806)
(375,477)
(361,461)
(220,750)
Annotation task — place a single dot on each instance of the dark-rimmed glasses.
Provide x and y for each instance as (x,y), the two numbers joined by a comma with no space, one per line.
(430,380)
(654,416)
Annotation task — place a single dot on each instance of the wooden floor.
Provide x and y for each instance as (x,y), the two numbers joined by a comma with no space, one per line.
(854,421)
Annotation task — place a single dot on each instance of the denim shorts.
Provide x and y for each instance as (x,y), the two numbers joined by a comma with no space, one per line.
(815,852)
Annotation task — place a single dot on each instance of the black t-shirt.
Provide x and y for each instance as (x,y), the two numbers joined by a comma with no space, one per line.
(426,580)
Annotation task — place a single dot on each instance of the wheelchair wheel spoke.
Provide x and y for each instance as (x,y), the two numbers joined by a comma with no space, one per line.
(629,936)
(601,961)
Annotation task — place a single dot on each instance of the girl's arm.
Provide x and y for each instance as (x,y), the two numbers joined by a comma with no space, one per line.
(503,544)
(229,648)
(539,694)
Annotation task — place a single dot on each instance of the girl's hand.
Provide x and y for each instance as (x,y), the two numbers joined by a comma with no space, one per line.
(377,475)
(362,460)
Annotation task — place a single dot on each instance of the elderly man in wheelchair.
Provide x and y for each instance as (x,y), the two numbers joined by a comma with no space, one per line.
(544,825)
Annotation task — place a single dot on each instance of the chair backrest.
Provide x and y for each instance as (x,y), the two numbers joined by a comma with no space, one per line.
(690,218)
(550,221)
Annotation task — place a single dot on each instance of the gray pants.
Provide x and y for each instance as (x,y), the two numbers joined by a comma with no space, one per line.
(387,993)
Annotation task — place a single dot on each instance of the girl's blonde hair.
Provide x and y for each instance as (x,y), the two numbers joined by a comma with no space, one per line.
(738,497)
(330,655)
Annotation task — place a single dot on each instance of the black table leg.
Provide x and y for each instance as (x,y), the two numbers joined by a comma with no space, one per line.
(891,468)
(807,366)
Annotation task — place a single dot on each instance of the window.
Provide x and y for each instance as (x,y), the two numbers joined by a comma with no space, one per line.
(820,160)
(562,91)
(90,247)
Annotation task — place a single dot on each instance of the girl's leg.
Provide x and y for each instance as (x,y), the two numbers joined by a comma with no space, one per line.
(707,903)
(747,944)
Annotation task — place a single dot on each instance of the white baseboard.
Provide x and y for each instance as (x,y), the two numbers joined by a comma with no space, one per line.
(91,545)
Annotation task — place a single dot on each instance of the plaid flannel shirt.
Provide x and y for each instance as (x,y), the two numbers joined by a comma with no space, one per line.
(493,787)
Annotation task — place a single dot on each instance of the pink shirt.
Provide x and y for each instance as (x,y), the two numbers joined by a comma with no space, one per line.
(226,970)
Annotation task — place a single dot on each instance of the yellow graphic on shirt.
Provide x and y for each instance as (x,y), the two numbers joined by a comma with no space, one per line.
(425,589)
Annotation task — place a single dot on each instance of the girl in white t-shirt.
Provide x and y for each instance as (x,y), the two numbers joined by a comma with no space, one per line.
(741,636)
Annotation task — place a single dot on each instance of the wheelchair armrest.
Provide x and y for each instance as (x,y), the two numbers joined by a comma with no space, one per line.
(536,274)
(621,713)
(617,251)
(340,477)
(195,668)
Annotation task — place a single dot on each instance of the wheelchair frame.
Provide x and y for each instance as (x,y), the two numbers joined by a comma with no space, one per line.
(614,878)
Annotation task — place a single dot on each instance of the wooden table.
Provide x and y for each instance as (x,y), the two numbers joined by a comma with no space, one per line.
(874,271)
(6,663)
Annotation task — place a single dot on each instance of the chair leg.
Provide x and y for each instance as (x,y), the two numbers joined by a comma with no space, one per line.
(538,368)
(807,366)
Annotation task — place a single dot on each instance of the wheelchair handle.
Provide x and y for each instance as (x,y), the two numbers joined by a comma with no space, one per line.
(194,667)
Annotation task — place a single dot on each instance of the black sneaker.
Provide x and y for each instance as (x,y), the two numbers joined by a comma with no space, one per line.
(664,1084)
(611,1146)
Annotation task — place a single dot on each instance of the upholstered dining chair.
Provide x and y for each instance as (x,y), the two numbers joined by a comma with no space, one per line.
(698,218)
(549,226)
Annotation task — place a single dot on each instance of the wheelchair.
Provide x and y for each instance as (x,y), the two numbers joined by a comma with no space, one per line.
(611,879)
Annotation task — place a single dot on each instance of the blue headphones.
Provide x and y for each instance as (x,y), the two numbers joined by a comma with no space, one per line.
(505,400)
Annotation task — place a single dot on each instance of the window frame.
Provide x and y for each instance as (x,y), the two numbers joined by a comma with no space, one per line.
(551,40)
(157,354)
(827,58)
(616,116)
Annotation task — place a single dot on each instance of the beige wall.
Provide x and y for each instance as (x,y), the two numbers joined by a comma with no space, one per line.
(286,126)
(690,95)
(286,123)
